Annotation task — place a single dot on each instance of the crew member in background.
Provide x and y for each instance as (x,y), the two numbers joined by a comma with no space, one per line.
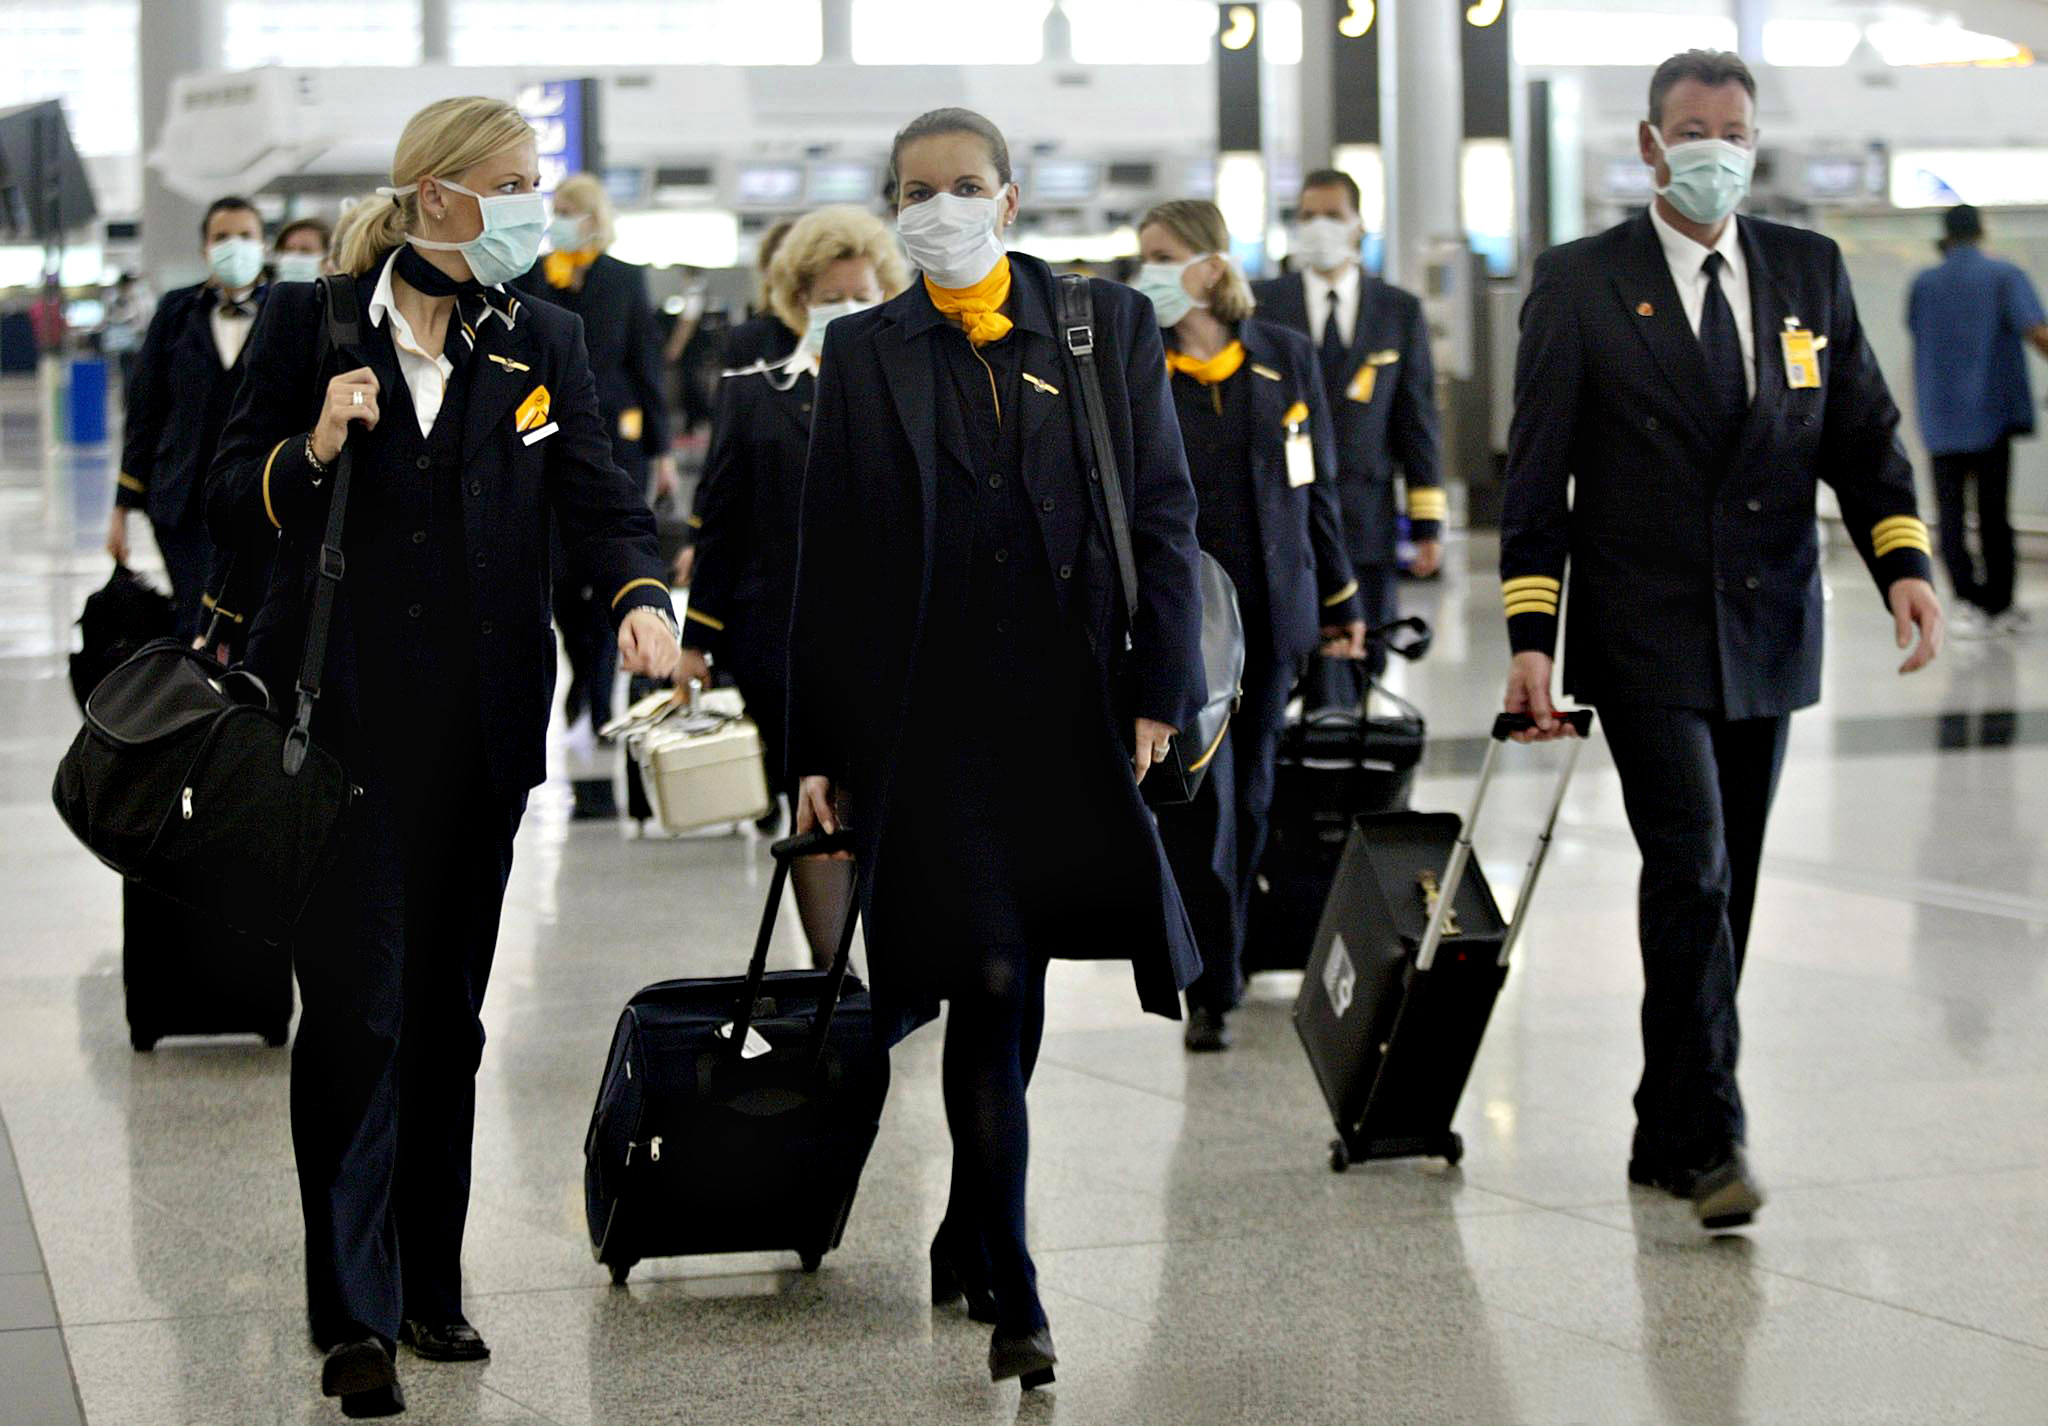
(1973,318)
(128,314)
(610,296)
(1255,421)
(1373,346)
(301,251)
(1684,381)
(186,376)
(834,262)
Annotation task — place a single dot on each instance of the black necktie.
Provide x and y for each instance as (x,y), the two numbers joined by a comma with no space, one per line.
(1718,340)
(1335,353)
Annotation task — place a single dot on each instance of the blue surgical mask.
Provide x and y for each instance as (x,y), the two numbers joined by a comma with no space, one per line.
(1709,177)
(510,242)
(565,234)
(235,262)
(298,267)
(1161,281)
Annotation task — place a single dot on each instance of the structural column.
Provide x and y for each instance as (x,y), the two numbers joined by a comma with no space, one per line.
(837,18)
(172,38)
(1422,117)
(436,27)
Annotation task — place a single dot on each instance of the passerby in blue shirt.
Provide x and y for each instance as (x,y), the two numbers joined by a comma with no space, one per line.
(1971,317)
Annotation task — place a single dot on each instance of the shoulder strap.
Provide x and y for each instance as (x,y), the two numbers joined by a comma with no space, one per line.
(1077,329)
(341,330)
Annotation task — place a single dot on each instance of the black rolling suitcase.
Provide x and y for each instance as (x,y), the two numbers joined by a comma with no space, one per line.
(1333,765)
(1409,959)
(736,1114)
(187,973)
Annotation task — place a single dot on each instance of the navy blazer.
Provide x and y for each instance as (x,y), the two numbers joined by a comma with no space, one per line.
(263,486)
(748,503)
(1397,427)
(1693,558)
(625,347)
(177,405)
(864,560)
(1300,534)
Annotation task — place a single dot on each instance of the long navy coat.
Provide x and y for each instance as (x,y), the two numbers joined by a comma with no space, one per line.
(864,573)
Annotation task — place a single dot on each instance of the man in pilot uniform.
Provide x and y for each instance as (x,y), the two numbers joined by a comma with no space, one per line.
(1684,380)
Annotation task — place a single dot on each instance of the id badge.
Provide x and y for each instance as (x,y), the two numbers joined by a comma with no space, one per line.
(1802,360)
(1301,461)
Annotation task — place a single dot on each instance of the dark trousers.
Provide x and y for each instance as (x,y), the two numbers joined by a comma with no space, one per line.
(1698,791)
(1214,843)
(392,970)
(188,561)
(1991,471)
(592,649)
(994,1025)
(1340,683)
(760,667)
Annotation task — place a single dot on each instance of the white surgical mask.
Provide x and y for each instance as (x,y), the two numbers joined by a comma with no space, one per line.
(235,262)
(298,267)
(1323,244)
(812,344)
(1709,177)
(510,241)
(1161,281)
(565,233)
(952,240)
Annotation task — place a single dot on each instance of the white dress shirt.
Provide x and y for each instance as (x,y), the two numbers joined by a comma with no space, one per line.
(1316,289)
(231,332)
(426,377)
(1687,260)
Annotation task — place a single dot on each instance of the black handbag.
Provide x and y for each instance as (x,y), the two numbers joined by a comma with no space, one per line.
(118,619)
(1175,778)
(187,778)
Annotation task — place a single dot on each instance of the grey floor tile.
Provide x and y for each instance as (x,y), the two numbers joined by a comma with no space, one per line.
(38,1386)
(25,1301)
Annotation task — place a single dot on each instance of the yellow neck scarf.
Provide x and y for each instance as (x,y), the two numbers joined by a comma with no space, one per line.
(977,310)
(560,268)
(1216,370)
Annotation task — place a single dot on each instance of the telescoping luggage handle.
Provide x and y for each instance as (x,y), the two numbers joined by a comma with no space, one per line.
(810,844)
(1581,721)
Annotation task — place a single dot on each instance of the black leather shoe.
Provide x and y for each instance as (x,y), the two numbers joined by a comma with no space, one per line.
(1654,1173)
(1726,1194)
(1207,1031)
(363,1375)
(455,1341)
(953,1279)
(1029,1358)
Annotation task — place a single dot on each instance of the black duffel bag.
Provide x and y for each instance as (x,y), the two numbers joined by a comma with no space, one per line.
(187,779)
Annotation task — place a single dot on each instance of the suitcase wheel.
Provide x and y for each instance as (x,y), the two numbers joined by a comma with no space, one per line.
(620,1271)
(1340,1157)
(1453,1149)
(144,1040)
(811,1261)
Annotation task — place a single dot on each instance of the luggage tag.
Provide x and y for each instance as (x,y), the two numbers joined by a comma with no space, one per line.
(1802,356)
(756,1045)
(1301,455)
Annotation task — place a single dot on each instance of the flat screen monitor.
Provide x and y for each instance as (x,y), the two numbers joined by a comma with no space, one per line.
(840,182)
(1064,180)
(770,185)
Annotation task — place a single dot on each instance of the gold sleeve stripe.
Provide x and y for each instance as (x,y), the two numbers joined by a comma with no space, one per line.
(1898,522)
(632,584)
(268,508)
(1531,606)
(1903,542)
(1427,503)
(705,619)
(129,482)
(1901,532)
(207,601)
(693,521)
(1531,582)
(1341,595)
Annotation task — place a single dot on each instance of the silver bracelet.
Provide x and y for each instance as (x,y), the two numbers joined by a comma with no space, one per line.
(320,466)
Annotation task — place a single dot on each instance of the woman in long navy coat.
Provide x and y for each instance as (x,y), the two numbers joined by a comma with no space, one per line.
(962,691)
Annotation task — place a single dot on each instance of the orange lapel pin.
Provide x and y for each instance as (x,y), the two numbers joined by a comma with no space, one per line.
(1644,309)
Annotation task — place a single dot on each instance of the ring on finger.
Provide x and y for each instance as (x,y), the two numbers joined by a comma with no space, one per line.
(355,398)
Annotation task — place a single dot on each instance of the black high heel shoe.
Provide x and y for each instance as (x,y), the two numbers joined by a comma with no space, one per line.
(950,1282)
(1029,1358)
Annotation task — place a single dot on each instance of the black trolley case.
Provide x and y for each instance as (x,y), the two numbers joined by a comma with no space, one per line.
(703,1141)
(1407,964)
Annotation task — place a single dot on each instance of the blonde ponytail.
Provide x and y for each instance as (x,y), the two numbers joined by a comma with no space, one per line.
(448,137)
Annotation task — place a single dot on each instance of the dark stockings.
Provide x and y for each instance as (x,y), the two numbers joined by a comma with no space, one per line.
(993,1029)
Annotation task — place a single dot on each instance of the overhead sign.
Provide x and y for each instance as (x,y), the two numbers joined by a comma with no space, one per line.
(563,113)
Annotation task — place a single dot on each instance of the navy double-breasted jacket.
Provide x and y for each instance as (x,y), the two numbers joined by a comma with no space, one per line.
(510,483)
(865,565)
(1694,565)
(177,406)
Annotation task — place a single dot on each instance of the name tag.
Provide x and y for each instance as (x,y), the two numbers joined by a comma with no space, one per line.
(542,434)
(1802,360)
(1301,460)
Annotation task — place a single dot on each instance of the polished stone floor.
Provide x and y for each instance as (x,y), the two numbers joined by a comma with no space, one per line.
(1201,1263)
